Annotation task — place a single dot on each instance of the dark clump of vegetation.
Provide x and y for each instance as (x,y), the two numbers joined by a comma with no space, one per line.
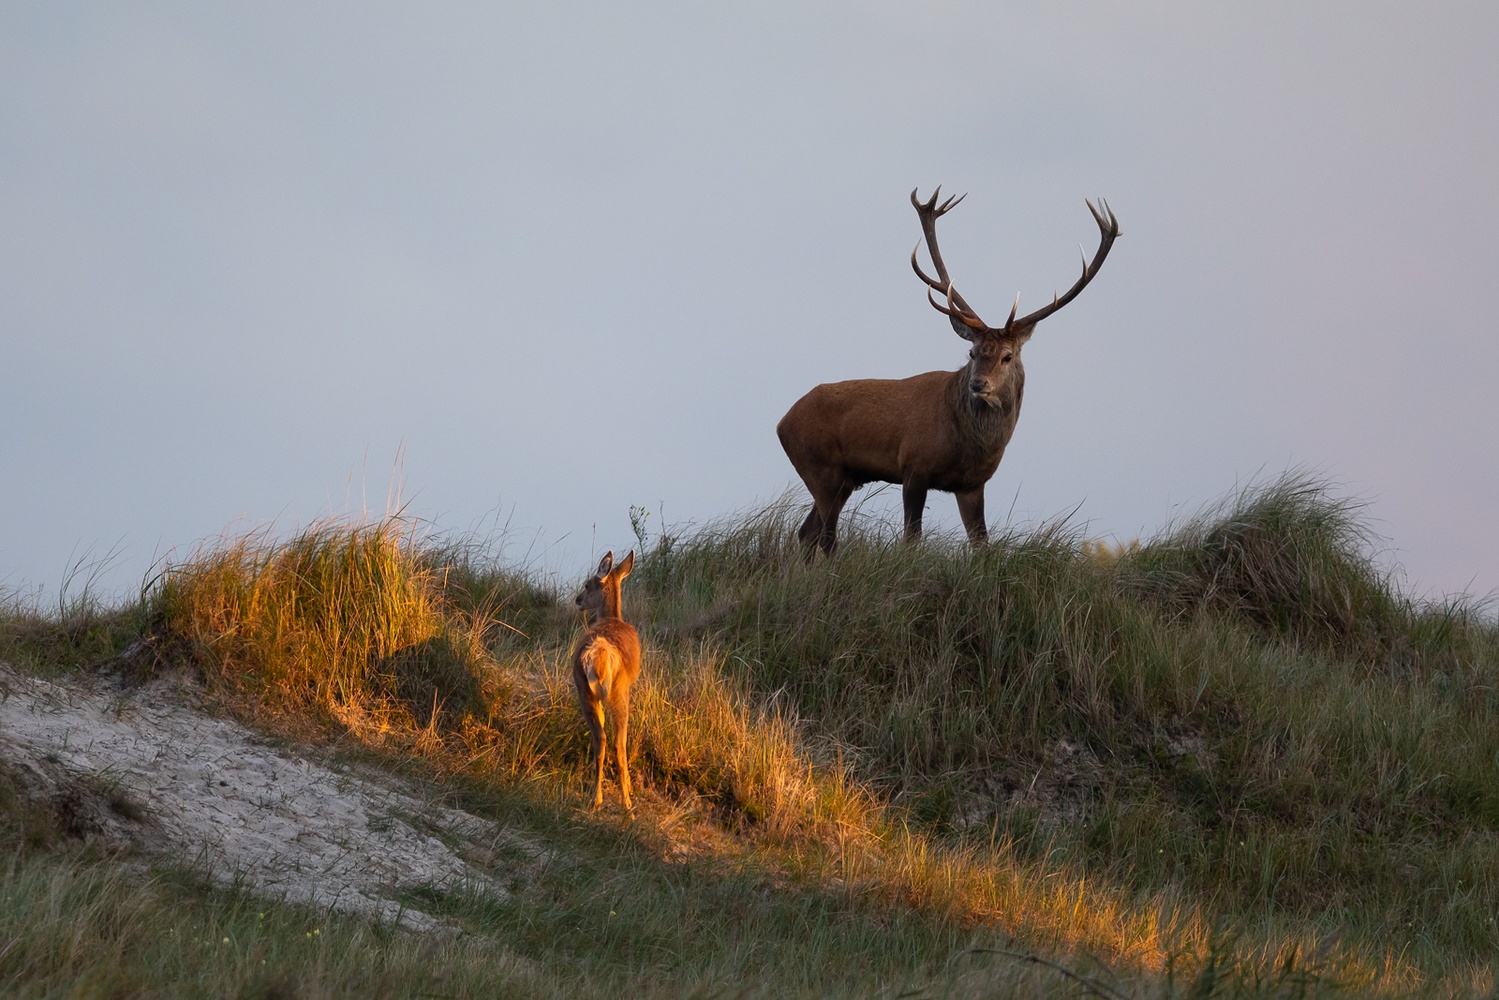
(82,629)
(1293,560)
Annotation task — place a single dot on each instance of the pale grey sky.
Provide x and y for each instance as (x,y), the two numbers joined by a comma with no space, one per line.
(567,258)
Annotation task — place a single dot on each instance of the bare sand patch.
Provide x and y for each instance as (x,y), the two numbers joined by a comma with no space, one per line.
(142,768)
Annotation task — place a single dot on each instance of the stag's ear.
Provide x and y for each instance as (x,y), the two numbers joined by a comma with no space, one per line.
(1022,334)
(623,569)
(962,329)
(606,563)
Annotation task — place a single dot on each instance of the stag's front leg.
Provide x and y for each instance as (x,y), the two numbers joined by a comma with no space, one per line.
(913,496)
(971,510)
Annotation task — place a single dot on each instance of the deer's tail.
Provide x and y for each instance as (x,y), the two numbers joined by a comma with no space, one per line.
(601,662)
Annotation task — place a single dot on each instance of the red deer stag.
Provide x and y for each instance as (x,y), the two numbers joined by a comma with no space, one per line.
(606,662)
(938,431)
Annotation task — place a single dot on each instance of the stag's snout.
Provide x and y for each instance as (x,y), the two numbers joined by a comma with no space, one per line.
(987,390)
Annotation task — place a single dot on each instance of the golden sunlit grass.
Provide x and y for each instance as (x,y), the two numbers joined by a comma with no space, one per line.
(344,622)
(1229,761)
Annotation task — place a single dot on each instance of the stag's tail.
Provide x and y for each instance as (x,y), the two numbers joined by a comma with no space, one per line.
(601,662)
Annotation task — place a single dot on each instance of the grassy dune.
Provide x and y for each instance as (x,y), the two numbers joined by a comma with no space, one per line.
(1244,709)
(1232,760)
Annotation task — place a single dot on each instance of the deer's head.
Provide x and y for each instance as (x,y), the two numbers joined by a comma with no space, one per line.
(599,597)
(994,357)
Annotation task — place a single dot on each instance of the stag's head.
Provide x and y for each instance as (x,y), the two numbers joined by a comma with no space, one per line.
(993,361)
(994,357)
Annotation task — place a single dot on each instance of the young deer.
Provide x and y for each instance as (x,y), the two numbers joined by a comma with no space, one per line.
(605,664)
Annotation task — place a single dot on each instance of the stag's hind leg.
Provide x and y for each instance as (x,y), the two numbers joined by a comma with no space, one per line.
(829,506)
(811,531)
(830,491)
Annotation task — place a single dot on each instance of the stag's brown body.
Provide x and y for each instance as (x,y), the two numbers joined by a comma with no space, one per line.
(606,662)
(943,431)
(926,432)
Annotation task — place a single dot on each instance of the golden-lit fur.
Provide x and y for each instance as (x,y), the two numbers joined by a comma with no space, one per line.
(606,662)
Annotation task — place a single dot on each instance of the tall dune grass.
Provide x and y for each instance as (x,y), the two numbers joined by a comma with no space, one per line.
(345,621)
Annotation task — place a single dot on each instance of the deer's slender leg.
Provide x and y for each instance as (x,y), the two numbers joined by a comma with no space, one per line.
(834,507)
(825,487)
(913,497)
(811,531)
(593,714)
(971,510)
(619,708)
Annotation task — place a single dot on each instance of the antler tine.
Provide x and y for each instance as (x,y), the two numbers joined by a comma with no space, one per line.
(963,313)
(1010,323)
(930,205)
(1096,216)
(1107,222)
(951,202)
(922,274)
(972,322)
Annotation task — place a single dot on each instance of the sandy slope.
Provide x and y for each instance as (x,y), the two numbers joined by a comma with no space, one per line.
(142,768)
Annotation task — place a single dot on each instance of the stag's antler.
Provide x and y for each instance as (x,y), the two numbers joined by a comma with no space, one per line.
(1108,227)
(930,212)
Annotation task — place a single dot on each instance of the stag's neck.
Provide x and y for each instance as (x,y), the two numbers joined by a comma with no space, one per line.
(612,605)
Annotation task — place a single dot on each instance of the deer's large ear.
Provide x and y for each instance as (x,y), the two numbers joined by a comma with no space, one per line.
(623,569)
(1021,335)
(606,563)
(962,329)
